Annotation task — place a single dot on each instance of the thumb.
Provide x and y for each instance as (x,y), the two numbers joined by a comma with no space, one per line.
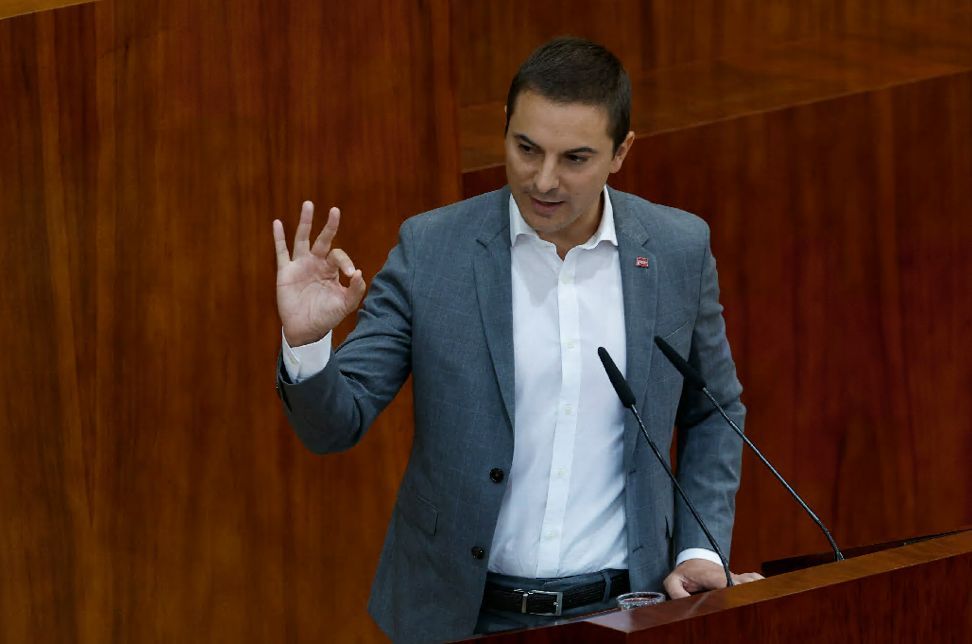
(356,289)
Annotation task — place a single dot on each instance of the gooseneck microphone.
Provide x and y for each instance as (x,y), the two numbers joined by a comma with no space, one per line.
(694,379)
(628,400)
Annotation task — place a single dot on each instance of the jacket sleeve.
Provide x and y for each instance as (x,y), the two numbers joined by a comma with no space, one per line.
(332,410)
(709,452)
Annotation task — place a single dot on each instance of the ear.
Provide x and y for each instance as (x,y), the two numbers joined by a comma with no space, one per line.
(622,152)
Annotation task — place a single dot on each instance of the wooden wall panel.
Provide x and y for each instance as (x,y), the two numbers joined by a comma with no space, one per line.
(9,8)
(150,489)
(842,230)
(493,36)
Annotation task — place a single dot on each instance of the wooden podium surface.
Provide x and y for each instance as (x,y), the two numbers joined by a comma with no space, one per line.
(919,592)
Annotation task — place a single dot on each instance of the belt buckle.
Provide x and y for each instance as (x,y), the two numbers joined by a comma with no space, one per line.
(558,601)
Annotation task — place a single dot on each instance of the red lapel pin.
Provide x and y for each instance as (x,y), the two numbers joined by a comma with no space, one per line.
(641,262)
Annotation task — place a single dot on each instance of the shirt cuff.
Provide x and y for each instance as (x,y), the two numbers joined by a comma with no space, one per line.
(306,360)
(697,553)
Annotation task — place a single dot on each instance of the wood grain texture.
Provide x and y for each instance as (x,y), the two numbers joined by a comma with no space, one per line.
(150,489)
(494,36)
(10,8)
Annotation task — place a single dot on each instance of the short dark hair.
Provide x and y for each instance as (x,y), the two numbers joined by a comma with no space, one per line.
(574,70)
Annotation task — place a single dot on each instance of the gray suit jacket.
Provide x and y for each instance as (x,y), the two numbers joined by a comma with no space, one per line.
(441,310)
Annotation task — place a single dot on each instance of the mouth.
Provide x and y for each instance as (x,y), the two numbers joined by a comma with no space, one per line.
(545,208)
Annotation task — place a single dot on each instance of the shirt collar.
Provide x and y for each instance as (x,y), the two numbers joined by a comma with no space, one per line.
(605,230)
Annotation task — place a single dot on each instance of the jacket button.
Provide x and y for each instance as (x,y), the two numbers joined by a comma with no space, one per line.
(478,552)
(496,475)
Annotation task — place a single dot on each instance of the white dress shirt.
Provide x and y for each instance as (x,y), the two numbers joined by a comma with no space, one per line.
(563,509)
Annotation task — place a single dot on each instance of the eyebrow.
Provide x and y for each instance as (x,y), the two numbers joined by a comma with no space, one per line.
(581,150)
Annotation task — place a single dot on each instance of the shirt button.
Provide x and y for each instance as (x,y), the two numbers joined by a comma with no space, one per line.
(568,410)
(496,475)
(571,344)
(478,552)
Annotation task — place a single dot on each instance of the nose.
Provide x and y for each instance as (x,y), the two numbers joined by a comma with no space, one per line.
(546,180)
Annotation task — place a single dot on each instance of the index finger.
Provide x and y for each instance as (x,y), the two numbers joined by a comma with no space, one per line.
(322,245)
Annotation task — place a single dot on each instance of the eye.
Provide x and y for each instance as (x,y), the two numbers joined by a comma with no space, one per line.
(525,149)
(577,159)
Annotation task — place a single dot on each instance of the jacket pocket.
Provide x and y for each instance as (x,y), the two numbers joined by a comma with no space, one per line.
(418,511)
(674,337)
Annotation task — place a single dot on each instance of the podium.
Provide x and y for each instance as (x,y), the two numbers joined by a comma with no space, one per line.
(920,592)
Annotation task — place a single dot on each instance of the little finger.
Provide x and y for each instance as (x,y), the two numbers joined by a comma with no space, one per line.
(280,244)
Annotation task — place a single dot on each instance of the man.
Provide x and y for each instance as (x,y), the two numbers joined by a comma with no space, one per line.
(528,489)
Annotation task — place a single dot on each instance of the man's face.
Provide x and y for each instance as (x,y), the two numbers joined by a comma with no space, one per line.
(558,158)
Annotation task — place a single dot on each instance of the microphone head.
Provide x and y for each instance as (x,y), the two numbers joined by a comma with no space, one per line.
(617,380)
(692,377)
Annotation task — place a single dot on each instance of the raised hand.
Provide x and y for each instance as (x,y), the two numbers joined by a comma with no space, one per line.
(311,299)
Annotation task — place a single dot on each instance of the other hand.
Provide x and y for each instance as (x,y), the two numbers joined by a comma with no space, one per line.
(696,575)
(311,299)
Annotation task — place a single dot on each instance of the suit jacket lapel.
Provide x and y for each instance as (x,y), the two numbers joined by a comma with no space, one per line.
(494,290)
(639,286)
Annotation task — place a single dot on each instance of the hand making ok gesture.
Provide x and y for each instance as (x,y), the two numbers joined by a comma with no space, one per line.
(311,299)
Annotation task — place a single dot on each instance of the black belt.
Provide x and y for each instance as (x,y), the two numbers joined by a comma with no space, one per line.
(549,602)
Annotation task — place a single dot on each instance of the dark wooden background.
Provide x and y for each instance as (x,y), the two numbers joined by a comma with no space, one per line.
(150,489)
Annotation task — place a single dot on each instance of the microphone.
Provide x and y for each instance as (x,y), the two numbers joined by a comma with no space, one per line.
(628,400)
(694,379)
